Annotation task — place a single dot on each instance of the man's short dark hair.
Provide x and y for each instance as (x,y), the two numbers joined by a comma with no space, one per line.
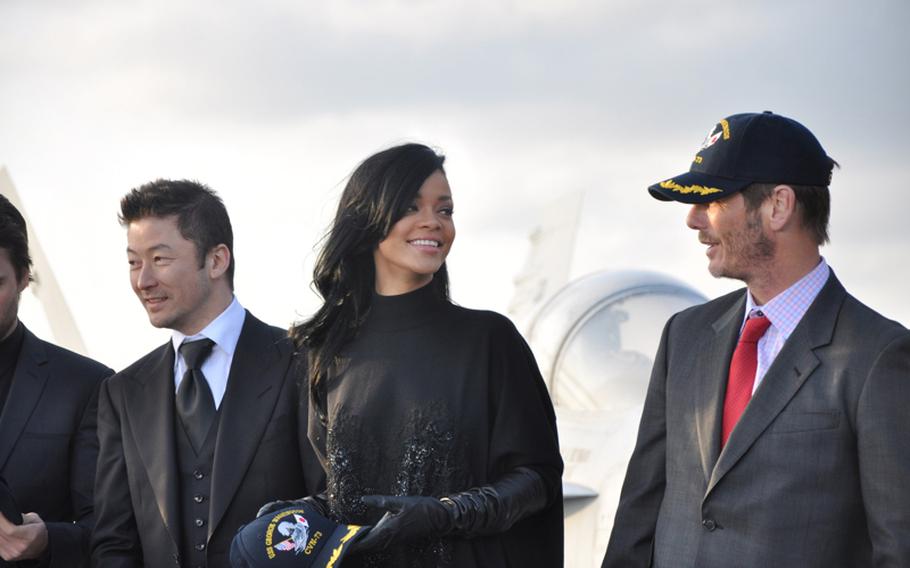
(813,201)
(201,215)
(14,237)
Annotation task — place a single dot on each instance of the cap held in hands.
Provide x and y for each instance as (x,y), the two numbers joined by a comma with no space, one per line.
(298,537)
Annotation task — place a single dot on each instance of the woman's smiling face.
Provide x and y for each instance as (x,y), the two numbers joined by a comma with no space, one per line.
(419,242)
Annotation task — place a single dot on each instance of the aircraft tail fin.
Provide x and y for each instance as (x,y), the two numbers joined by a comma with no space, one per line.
(549,263)
(45,286)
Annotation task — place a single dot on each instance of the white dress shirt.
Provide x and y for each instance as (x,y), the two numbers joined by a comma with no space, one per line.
(225,332)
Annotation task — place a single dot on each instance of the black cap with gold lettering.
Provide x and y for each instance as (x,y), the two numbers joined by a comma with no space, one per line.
(295,537)
(749,148)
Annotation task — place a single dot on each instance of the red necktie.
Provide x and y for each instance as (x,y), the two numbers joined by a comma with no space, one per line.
(742,373)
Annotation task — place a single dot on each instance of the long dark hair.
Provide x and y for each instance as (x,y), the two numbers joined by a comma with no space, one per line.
(376,196)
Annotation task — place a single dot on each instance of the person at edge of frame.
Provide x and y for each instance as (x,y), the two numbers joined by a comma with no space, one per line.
(48,408)
(775,427)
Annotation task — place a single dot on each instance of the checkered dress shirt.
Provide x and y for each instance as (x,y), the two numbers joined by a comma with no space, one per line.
(784,311)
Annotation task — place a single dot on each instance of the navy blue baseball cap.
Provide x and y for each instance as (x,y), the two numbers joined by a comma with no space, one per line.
(296,537)
(749,148)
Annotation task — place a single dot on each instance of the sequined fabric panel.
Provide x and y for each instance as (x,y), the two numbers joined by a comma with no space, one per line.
(418,456)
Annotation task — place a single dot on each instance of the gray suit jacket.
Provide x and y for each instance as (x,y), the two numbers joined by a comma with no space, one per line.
(815,473)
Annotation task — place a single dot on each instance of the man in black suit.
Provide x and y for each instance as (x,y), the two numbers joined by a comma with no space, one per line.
(48,406)
(775,427)
(199,433)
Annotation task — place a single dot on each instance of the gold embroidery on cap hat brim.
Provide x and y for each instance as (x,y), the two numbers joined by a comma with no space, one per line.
(336,553)
(686,189)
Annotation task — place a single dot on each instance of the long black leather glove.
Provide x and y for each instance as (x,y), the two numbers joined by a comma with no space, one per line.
(492,509)
(318,502)
(488,509)
(407,518)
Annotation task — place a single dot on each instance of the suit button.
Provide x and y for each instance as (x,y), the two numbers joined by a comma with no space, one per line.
(198,474)
(199,522)
(200,547)
(199,498)
(709,524)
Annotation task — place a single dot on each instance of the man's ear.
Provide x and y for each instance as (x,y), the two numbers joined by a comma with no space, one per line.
(25,280)
(218,260)
(781,207)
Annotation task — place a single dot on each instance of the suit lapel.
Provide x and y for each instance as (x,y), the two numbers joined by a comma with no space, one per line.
(29,380)
(790,369)
(257,373)
(150,407)
(711,372)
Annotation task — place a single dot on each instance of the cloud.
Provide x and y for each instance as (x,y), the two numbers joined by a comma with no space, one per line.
(217,61)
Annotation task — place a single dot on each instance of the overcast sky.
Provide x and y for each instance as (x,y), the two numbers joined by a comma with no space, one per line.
(273,103)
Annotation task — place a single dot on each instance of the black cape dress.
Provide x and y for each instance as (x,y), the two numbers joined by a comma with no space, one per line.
(432,399)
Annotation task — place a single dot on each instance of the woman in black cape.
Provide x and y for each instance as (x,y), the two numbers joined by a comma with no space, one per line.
(431,420)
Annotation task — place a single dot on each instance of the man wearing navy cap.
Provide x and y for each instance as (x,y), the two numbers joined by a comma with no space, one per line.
(776,423)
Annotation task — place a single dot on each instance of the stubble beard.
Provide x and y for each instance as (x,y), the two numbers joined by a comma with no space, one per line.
(8,323)
(751,252)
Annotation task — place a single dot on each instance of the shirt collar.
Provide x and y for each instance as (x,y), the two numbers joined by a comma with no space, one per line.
(787,308)
(223,330)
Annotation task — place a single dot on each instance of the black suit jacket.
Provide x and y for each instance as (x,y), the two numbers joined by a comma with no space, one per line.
(48,446)
(257,452)
(815,474)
